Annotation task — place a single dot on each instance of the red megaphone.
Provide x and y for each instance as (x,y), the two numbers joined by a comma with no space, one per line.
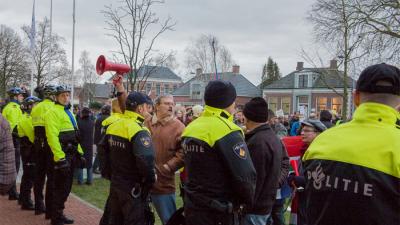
(103,65)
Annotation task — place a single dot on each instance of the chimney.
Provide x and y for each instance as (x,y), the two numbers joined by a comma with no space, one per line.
(236,69)
(333,64)
(300,66)
(199,71)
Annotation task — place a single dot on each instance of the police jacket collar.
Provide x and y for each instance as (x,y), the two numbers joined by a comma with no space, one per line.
(211,111)
(134,115)
(377,113)
(15,101)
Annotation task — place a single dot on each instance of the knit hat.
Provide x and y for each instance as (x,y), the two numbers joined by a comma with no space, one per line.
(256,110)
(219,94)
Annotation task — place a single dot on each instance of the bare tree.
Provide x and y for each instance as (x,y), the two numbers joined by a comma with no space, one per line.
(380,21)
(86,75)
(337,28)
(131,24)
(166,60)
(14,68)
(48,51)
(199,54)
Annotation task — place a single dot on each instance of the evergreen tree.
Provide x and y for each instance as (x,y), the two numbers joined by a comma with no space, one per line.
(277,73)
(264,74)
(270,73)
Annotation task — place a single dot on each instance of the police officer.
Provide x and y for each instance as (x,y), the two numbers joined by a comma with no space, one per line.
(221,176)
(26,135)
(132,164)
(61,132)
(353,170)
(104,159)
(12,113)
(43,155)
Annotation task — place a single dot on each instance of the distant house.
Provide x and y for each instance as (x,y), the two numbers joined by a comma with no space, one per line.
(192,92)
(95,93)
(157,80)
(307,89)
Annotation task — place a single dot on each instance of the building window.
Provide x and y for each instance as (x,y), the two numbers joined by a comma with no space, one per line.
(337,105)
(166,89)
(175,87)
(273,103)
(148,88)
(158,89)
(322,103)
(302,105)
(285,105)
(303,81)
(196,91)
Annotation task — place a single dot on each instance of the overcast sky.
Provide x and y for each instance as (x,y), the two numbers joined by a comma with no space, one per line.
(251,30)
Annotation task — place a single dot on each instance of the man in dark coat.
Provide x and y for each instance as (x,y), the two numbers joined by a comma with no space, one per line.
(326,118)
(104,114)
(86,128)
(266,153)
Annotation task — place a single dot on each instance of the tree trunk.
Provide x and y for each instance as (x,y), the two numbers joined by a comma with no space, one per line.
(346,61)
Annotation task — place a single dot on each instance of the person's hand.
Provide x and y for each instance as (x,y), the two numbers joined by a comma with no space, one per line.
(296,181)
(82,162)
(118,82)
(62,166)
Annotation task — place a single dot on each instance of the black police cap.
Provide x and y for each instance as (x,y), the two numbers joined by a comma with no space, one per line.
(137,98)
(369,77)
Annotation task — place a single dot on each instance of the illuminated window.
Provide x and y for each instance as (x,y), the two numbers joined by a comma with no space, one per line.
(337,104)
(322,103)
(273,103)
(285,105)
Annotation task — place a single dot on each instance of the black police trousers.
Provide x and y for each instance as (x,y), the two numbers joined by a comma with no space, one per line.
(44,167)
(28,174)
(127,210)
(16,141)
(211,217)
(106,217)
(62,188)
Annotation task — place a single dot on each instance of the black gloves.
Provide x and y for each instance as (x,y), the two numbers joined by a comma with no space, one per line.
(298,181)
(62,166)
(81,162)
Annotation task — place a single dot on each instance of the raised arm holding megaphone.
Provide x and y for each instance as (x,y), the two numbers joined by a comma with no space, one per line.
(120,70)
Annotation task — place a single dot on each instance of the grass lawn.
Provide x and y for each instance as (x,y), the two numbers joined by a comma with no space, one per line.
(97,193)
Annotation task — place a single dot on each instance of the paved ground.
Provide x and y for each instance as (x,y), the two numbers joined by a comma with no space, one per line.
(81,212)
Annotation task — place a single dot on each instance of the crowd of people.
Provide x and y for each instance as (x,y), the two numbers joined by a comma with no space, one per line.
(236,166)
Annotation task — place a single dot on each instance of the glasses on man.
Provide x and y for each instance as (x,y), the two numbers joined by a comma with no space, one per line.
(307,130)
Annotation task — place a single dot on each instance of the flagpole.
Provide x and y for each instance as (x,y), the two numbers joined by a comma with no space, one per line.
(73,53)
(32,47)
(51,29)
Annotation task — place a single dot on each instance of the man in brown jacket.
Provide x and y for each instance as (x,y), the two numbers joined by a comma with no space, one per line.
(8,172)
(165,131)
